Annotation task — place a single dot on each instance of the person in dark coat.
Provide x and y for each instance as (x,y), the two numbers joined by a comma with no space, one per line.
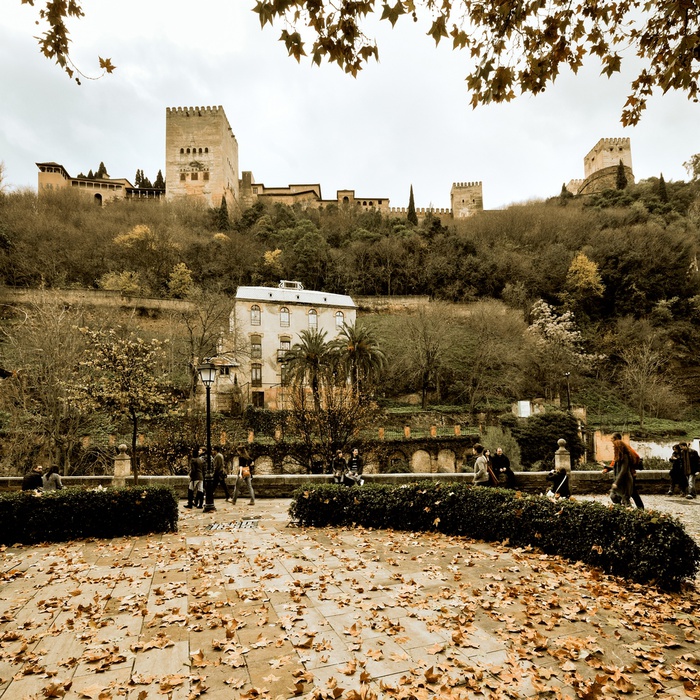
(677,473)
(338,467)
(32,480)
(353,475)
(691,466)
(625,463)
(560,483)
(501,466)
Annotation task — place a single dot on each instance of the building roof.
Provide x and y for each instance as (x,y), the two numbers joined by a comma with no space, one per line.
(294,295)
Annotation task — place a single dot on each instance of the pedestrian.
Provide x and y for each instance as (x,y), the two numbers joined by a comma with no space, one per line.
(195,490)
(501,466)
(691,466)
(52,480)
(625,464)
(338,467)
(677,472)
(32,480)
(353,475)
(246,467)
(220,472)
(481,467)
(560,483)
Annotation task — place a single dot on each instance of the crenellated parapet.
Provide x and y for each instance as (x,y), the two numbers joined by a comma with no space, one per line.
(460,185)
(193,111)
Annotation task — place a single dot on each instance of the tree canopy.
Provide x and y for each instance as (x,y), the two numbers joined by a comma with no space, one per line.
(514,46)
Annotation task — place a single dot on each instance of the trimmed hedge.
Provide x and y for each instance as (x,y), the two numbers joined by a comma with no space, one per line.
(643,546)
(28,517)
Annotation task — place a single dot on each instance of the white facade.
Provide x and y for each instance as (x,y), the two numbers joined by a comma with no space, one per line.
(266,322)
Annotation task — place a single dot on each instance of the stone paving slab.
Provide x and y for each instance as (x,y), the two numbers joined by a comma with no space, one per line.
(221,610)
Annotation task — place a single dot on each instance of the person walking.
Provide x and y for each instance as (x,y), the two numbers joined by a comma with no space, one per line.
(246,467)
(691,466)
(220,472)
(52,480)
(677,472)
(625,463)
(195,490)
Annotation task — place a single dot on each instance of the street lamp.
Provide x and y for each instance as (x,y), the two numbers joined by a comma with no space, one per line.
(207,373)
(568,391)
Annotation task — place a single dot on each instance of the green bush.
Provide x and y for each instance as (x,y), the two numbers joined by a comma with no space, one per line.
(28,517)
(643,546)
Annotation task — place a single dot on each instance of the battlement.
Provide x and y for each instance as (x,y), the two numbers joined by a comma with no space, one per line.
(422,211)
(466,184)
(194,111)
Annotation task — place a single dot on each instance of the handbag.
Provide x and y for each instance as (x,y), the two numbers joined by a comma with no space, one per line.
(554,494)
(245,472)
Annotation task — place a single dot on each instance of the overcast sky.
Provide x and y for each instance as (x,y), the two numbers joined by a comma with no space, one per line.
(404,121)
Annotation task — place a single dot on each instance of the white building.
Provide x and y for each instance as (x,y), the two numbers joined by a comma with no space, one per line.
(266,321)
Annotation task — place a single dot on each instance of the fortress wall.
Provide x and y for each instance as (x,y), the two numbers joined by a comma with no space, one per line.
(201,155)
(466,199)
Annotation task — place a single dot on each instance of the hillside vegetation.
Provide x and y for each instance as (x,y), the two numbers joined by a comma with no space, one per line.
(596,299)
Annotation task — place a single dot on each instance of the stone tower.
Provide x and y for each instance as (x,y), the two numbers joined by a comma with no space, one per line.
(466,198)
(607,153)
(201,155)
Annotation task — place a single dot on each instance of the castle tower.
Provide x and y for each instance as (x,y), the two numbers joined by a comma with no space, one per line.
(607,153)
(466,198)
(201,155)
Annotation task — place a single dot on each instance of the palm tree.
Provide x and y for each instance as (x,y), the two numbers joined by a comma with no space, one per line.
(358,354)
(309,361)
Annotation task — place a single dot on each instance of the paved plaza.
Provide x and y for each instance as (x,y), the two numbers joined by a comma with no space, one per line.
(240,603)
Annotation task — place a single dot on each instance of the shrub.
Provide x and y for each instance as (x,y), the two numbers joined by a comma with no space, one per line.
(642,546)
(29,517)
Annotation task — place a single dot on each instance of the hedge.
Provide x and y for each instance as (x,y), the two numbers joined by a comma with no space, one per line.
(642,546)
(28,517)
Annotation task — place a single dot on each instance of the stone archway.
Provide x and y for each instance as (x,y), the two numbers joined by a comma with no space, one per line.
(446,462)
(421,462)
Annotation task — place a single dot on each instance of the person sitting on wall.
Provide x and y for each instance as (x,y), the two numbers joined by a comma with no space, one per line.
(560,483)
(338,467)
(501,466)
(32,480)
(353,475)
(52,480)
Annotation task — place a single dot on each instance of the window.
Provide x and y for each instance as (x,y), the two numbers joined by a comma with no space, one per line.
(339,319)
(182,150)
(256,375)
(284,375)
(206,150)
(188,150)
(256,346)
(195,176)
(254,315)
(313,319)
(206,176)
(183,176)
(258,398)
(284,348)
(225,371)
(284,317)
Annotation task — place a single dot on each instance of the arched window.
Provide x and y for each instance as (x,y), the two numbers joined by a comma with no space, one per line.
(313,319)
(284,317)
(254,315)
(256,347)
(182,150)
(339,319)
(188,150)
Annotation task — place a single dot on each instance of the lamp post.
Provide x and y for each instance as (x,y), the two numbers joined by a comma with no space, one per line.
(568,391)
(207,373)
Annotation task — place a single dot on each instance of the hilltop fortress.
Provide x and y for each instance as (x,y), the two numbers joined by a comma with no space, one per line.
(201,160)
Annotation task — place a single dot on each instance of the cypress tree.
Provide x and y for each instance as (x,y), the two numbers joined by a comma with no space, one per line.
(412,216)
(159,181)
(621,178)
(222,220)
(137,178)
(663,194)
(101,171)
(90,175)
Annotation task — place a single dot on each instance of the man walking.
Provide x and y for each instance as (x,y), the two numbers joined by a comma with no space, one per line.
(691,466)
(220,472)
(625,464)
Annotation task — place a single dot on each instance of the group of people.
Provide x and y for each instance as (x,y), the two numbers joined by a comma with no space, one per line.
(198,464)
(685,464)
(492,470)
(36,480)
(348,472)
